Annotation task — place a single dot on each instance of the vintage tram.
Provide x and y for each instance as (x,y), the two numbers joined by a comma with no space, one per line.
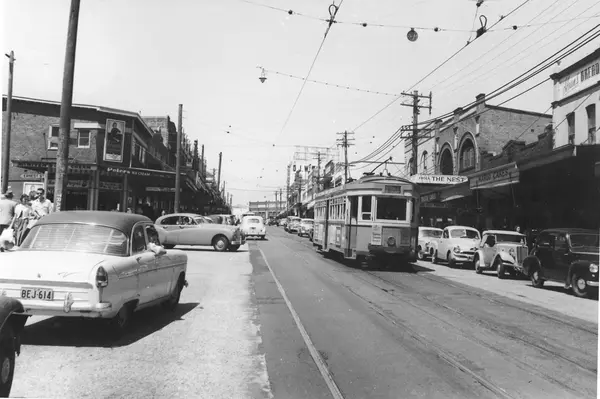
(374,218)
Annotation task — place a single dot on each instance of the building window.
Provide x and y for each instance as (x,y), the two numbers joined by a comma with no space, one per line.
(467,156)
(446,163)
(591,115)
(53,137)
(424,161)
(83,139)
(571,127)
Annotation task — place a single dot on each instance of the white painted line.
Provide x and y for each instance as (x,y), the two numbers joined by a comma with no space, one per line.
(333,388)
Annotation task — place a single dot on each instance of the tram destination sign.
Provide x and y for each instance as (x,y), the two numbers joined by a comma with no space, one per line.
(438,179)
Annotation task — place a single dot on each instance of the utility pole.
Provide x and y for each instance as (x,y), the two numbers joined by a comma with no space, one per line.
(220,159)
(62,156)
(178,160)
(318,170)
(345,142)
(202,163)
(415,130)
(6,134)
(280,199)
(215,178)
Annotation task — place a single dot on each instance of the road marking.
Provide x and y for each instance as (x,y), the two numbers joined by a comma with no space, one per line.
(333,388)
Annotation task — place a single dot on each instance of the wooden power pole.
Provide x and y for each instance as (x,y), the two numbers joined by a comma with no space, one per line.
(415,129)
(62,156)
(178,160)
(219,179)
(202,165)
(345,142)
(6,133)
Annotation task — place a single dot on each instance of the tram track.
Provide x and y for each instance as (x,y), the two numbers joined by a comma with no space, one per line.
(449,358)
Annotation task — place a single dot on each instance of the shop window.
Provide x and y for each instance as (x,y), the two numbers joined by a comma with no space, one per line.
(591,116)
(571,127)
(467,156)
(53,132)
(83,139)
(446,163)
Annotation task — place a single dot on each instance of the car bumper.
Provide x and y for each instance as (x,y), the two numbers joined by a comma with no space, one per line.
(64,309)
(592,283)
(462,258)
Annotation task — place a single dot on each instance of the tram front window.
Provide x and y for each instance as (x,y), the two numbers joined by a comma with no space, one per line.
(391,208)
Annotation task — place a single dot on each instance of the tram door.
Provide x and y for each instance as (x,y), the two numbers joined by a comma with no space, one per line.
(326,228)
(352,224)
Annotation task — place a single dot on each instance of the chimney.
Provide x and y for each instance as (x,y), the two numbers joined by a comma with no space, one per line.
(480,98)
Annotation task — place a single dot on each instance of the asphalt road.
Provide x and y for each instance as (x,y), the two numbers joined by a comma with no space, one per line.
(388,334)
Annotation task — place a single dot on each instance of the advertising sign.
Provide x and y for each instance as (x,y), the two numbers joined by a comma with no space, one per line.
(114,140)
(578,80)
(31,186)
(496,177)
(438,179)
(376,233)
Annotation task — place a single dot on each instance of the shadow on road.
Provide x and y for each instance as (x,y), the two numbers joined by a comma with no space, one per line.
(560,288)
(207,250)
(80,332)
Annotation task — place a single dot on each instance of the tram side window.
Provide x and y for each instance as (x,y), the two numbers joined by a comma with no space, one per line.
(366,208)
(391,208)
(353,208)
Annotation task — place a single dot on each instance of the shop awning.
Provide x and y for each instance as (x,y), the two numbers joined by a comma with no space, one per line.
(310,205)
(453,197)
(495,177)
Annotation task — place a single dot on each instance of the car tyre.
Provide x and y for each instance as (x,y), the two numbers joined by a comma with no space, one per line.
(220,243)
(451,262)
(168,246)
(121,321)
(434,258)
(500,268)
(420,254)
(7,360)
(234,248)
(579,287)
(478,268)
(171,303)
(536,280)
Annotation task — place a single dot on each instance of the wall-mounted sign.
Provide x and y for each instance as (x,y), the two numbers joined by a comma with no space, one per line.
(72,183)
(431,197)
(32,175)
(114,140)
(161,189)
(109,185)
(438,179)
(578,80)
(495,177)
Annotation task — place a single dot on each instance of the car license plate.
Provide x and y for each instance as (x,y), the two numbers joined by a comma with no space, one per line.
(37,293)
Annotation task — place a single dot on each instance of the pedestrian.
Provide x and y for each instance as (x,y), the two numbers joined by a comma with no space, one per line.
(22,217)
(518,228)
(41,206)
(7,209)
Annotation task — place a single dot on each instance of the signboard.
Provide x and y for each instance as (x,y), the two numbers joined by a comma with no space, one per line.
(392,189)
(32,175)
(580,79)
(376,233)
(161,189)
(495,177)
(31,186)
(435,196)
(108,185)
(438,179)
(72,183)
(114,140)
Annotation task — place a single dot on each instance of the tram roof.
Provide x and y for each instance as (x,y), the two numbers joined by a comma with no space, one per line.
(368,182)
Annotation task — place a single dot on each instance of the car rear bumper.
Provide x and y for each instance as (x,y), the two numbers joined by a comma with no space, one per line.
(64,309)
(592,283)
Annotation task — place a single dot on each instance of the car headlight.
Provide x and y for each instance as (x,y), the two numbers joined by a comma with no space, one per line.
(593,268)
(456,249)
(512,252)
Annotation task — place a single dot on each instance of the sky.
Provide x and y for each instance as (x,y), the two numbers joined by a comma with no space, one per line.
(148,56)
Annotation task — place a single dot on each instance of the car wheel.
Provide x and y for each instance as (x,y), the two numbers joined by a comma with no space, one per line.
(451,262)
(171,303)
(7,361)
(500,268)
(434,258)
(536,279)
(579,286)
(420,255)
(234,248)
(220,243)
(169,246)
(478,269)
(121,321)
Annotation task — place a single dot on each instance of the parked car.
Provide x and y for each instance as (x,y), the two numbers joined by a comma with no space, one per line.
(502,251)
(425,247)
(12,321)
(93,264)
(291,221)
(457,245)
(254,226)
(282,222)
(568,256)
(191,229)
(305,226)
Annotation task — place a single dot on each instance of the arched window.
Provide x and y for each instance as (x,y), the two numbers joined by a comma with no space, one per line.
(424,161)
(446,163)
(467,156)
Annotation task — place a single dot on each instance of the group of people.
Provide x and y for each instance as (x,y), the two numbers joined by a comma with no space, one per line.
(21,216)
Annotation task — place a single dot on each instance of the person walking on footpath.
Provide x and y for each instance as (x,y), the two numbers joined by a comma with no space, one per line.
(22,217)
(7,210)
(40,206)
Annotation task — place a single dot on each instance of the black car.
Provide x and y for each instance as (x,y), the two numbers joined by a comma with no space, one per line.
(568,256)
(12,322)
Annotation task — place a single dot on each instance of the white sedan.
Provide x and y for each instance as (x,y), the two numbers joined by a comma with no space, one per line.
(93,264)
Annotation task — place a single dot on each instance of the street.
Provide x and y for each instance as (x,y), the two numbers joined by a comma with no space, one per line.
(435,333)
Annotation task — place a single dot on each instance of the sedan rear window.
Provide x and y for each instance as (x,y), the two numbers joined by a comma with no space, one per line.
(253,220)
(71,237)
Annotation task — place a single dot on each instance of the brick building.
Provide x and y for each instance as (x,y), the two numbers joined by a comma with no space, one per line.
(124,168)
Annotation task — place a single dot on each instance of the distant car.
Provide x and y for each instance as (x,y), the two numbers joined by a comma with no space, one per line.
(305,226)
(282,222)
(568,256)
(191,229)
(425,248)
(254,226)
(12,321)
(93,264)
(291,222)
(502,251)
(457,245)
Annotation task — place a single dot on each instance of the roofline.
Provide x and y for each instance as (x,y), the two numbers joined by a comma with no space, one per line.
(568,69)
(87,106)
(519,111)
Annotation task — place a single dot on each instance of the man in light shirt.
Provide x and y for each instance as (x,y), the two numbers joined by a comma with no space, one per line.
(42,206)
(7,210)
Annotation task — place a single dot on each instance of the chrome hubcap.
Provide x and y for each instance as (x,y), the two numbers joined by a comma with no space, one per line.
(581,283)
(535,276)
(220,245)
(4,374)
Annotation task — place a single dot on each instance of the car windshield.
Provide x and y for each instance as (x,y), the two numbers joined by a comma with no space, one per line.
(464,233)
(585,240)
(307,221)
(514,238)
(74,237)
(431,233)
(389,208)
